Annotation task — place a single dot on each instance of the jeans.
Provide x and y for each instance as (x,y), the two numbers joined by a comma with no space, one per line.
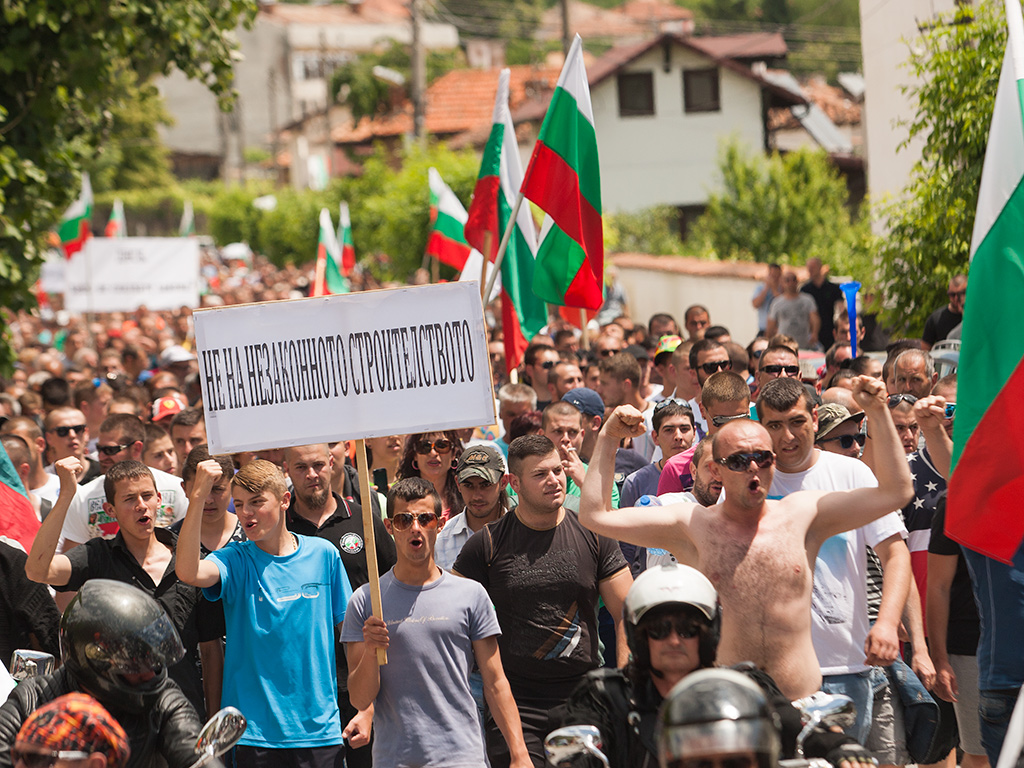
(995,708)
(856,685)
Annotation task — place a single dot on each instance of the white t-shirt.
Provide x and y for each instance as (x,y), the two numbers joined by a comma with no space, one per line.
(49,490)
(839,604)
(87,519)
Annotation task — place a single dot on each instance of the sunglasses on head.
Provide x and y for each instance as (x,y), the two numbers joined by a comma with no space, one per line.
(716,366)
(721,421)
(78,429)
(740,462)
(684,626)
(44,759)
(846,441)
(112,450)
(789,370)
(895,400)
(670,401)
(426,446)
(403,520)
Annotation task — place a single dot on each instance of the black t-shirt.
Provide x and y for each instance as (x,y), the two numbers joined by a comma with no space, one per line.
(544,586)
(939,324)
(964,627)
(344,529)
(825,297)
(195,618)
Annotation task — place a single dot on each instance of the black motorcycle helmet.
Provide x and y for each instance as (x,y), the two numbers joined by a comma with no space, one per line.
(717,713)
(112,629)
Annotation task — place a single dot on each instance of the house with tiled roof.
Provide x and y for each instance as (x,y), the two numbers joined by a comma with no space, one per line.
(630,22)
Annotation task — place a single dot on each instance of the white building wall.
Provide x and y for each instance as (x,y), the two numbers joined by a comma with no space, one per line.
(670,157)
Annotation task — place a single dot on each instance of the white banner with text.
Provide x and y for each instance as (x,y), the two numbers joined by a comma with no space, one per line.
(121,274)
(330,368)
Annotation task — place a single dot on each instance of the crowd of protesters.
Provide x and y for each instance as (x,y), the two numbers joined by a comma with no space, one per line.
(103,421)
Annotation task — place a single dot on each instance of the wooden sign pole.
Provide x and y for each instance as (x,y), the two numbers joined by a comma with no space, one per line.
(369,543)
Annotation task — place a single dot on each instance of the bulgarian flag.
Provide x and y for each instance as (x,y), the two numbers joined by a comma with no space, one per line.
(19,520)
(117,226)
(564,181)
(501,174)
(328,280)
(75,227)
(984,512)
(348,251)
(187,227)
(447,242)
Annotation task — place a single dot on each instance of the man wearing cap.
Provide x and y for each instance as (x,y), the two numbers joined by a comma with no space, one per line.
(73,729)
(839,430)
(591,406)
(166,407)
(481,477)
(178,361)
(663,366)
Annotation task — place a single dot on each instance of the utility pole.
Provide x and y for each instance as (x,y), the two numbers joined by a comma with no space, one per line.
(419,72)
(566,34)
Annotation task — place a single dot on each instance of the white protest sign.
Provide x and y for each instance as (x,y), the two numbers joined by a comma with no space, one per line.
(332,368)
(51,276)
(121,274)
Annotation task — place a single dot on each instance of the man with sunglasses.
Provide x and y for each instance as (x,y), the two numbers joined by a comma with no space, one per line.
(435,626)
(756,551)
(538,360)
(67,434)
(945,319)
(839,430)
(777,361)
(706,358)
(846,645)
(121,438)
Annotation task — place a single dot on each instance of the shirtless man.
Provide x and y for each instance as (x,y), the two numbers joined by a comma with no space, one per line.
(759,554)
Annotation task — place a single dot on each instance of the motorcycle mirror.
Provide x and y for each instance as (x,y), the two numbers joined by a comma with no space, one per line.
(831,710)
(564,745)
(26,664)
(221,732)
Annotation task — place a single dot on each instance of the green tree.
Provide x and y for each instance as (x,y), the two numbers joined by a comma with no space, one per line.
(929,224)
(784,208)
(653,230)
(61,67)
(776,11)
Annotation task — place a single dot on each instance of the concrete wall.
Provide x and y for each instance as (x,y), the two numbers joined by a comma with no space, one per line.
(670,157)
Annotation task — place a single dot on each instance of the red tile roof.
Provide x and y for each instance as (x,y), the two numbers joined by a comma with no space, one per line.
(655,10)
(833,101)
(756,45)
(363,12)
(459,101)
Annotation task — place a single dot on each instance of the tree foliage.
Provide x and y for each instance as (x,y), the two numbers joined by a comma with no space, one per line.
(61,68)
(930,223)
(652,230)
(782,208)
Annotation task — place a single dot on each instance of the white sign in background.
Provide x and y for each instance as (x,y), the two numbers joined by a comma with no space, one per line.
(121,274)
(369,364)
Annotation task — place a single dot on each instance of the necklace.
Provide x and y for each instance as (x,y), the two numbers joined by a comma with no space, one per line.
(295,543)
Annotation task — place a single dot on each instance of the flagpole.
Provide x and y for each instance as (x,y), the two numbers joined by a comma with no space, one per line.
(504,243)
(488,242)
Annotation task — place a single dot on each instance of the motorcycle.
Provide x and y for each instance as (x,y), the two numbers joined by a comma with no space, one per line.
(221,733)
(570,746)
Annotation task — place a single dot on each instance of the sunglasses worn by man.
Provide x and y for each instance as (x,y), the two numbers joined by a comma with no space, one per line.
(78,429)
(740,462)
(846,441)
(403,520)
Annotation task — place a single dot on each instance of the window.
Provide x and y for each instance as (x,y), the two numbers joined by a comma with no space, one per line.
(636,94)
(700,90)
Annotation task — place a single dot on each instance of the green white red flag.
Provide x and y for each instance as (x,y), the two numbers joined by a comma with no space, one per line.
(563,179)
(328,280)
(75,224)
(985,489)
(501,174)
(348,251)
(447,242)
(116,226)
(187,227)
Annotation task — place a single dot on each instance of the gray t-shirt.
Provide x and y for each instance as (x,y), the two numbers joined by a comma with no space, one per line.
(424,706)
(794,317)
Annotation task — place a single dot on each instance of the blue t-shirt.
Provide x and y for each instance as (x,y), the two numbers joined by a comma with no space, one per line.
(280,614)
(424,705)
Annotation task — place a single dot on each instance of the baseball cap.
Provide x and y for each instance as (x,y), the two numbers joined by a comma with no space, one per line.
(587,401)
(831,415)
(169,405)
(175,354)
(666,344)
(482,461)
(76,722)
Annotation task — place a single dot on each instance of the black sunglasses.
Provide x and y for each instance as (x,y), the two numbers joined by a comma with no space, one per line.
(895,400)
(789,370)
(78,429)
(403,520)
(716,366)
(112,450)
(846,441)
(548,364)
(660,629)
(441,446)
(670,401)
(740,462)
(721,421)
(44,759)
